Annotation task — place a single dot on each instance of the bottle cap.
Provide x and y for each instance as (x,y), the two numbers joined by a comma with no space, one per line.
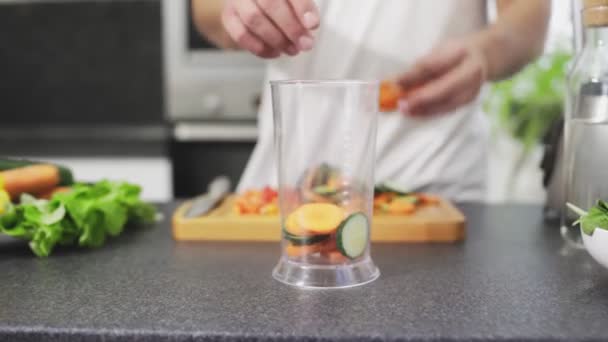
(595,13)
(594,3)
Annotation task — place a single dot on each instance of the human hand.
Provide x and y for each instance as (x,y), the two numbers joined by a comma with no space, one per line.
(268,28)
(445,79)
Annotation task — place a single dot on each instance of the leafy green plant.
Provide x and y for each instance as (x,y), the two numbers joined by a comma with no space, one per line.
(86,215)
(528,103)
(596,217)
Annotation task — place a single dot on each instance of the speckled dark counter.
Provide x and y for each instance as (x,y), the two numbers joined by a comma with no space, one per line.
(512,279)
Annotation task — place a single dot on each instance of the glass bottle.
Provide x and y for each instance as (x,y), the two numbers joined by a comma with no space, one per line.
(586,122)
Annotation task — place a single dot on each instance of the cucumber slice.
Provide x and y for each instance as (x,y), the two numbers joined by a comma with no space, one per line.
(388,186)
(325,191)
(353,235)
(323,174)
(304,240)
(408,198)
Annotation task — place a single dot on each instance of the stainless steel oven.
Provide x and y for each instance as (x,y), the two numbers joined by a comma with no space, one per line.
(203,82)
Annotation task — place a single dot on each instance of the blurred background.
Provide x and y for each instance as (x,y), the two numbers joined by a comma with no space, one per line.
(126,89)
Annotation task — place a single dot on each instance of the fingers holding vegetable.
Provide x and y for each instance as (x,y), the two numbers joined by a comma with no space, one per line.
(449,77)
(268,28)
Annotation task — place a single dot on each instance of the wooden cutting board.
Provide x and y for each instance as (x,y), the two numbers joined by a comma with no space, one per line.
(437,223)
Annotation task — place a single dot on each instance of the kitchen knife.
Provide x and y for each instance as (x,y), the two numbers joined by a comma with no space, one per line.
(216,191)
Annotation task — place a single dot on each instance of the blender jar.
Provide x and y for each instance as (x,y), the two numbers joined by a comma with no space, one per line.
(325,135)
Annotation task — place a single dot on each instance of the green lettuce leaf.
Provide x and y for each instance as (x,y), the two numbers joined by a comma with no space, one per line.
(596,217)
(86,215)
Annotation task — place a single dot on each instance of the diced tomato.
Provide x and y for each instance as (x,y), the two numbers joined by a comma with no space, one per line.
(381,198)
(246,207)
(428,199)
(268,194)
(335,258)
(255,202)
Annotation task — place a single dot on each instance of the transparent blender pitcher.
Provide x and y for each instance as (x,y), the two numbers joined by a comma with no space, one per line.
(325,135)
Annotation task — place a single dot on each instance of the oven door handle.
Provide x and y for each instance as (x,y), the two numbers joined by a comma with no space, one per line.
(207,132)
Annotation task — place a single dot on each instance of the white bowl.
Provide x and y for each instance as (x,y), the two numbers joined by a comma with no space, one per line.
(597,245)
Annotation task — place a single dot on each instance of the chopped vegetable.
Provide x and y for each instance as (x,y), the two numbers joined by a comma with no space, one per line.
(5,201)
(254,202)
(300,240)
(428,199)
(319,218)
(321,184)
(353,235)
(325,190)
(335,257)
(269,195)
(382,199)
(391,198)
(321,175)
(401,207)
(324,247)
(257,202)
(293,228)
(390,93)
(413,199)
(269,209)
(294,251)
(392,187)
(86,216)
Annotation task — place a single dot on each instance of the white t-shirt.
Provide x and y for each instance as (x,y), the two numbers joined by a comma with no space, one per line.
(379,39)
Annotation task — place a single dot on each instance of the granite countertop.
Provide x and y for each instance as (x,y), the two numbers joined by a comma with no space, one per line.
(512,279)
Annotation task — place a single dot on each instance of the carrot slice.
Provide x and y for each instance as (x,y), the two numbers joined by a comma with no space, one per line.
(335,258)
(319,218)
(401,207)
(380,199)
(390,93)
(428,198)
(269,209)
(300,251)
(293,227)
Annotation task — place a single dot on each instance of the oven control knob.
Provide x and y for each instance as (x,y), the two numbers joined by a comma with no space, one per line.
(212,104)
